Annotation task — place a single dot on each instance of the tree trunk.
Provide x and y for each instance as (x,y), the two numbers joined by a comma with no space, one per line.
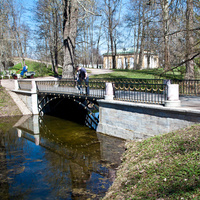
(112,40)
(98,42)
(69,32)
(56,45)
(165,10)
(189,40)
(141,54)
(138,38)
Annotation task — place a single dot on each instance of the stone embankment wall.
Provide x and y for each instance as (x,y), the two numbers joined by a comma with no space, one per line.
(129,120)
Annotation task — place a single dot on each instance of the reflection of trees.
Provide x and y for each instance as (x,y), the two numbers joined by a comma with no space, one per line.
(77,159)
(82,150)
(3,172)
(111,148)
(70,161)
(80,161)
(11,161)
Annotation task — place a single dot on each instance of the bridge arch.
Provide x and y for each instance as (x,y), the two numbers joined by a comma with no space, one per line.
(87,108)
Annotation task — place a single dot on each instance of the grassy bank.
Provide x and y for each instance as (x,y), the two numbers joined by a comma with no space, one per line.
(40,69)
(162,167)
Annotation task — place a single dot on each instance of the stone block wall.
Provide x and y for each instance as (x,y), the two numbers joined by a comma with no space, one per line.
(129,120)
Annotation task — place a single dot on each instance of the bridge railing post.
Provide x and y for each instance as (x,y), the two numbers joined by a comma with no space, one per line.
(16,85)
(33,86)
(109,92)
(172,96)
(34,98)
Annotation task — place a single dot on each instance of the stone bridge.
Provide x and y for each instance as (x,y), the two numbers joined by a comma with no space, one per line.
(124,110)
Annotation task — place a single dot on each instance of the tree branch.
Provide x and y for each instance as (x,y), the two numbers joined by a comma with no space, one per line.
(181,63)
(88,11)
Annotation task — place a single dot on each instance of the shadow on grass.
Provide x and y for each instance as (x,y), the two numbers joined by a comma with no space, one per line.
(138,74)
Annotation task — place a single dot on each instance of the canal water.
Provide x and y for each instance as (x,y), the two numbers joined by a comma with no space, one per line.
(52,158)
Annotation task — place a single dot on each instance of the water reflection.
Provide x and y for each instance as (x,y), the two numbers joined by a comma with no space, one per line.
(51,158)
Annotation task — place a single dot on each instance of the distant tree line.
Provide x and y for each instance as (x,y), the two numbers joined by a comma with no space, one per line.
(14,34)
(69,32)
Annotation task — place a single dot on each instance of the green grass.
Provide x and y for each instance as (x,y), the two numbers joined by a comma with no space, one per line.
(162,167)
(177,73)
(39,68)
(141,74)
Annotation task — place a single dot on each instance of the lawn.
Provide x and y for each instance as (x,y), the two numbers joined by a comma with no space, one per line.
(141,74)
(162,167)
(41,69)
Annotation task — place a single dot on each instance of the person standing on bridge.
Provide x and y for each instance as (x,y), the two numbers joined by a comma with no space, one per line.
(82,76)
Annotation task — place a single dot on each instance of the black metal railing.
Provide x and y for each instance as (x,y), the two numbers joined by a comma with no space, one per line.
(142,93)
(135,90)
(188,87)
(96,89)
(129,80)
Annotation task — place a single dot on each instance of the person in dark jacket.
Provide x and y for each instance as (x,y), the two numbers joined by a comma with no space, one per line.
(82,76)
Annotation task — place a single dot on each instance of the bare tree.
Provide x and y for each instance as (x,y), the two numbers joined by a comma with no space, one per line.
(112,13)
(99,35)
(165,22)
(69,33)
(19,32)
(142,39)
(49,18)
(5,40)
(189,40)
(14,33)
(77,12)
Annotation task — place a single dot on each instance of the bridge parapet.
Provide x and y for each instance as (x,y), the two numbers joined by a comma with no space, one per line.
(138,92)
(41,93)
(28,93)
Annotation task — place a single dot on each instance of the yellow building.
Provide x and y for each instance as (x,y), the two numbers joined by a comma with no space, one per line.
(125,60)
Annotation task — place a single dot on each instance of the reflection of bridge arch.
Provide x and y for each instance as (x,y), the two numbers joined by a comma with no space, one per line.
(76,155)
(88,103)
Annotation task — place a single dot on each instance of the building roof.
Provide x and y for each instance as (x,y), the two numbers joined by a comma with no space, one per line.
(129,51)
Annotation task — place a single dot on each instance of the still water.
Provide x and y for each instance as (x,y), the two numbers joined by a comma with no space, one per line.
(52,158)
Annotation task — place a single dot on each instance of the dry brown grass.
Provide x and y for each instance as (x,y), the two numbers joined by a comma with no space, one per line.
(7,105)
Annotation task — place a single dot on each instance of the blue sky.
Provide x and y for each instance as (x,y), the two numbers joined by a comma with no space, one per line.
(28,14)
(28,18)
